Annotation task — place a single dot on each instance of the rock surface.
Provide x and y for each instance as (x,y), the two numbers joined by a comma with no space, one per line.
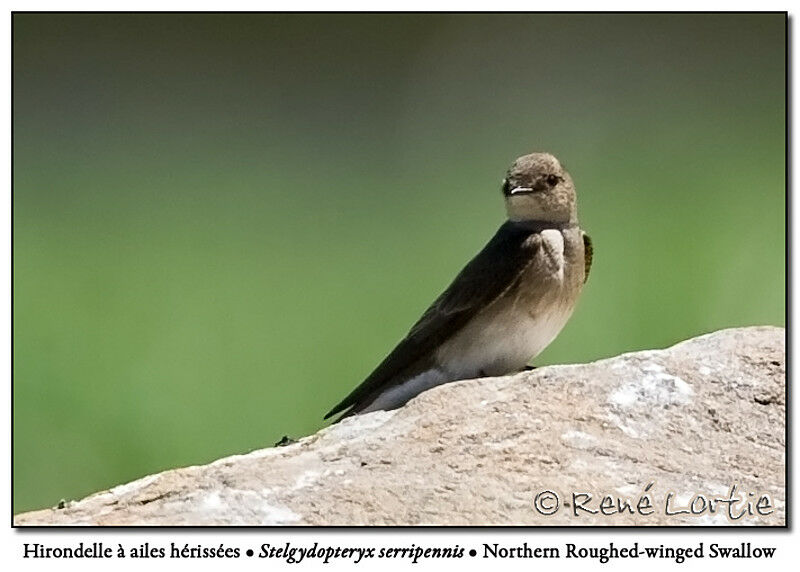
(698,417)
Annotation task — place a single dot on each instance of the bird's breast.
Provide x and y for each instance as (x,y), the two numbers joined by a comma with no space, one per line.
(521,323)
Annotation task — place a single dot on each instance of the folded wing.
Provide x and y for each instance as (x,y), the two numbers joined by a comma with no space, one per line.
(487,276)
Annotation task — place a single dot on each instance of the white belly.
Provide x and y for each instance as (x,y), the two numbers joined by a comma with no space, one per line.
(507,335)
(502,345)
(505,338)
(495,348)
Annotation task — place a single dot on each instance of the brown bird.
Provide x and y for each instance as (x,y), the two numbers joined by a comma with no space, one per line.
(505,306)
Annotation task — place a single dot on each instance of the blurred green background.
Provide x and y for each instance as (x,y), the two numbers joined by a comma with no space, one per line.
(222,223)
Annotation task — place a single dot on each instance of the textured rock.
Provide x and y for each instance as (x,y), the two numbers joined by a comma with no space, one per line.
(699,417)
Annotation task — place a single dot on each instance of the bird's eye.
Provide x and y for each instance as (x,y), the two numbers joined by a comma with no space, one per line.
(552,180)
(506,187)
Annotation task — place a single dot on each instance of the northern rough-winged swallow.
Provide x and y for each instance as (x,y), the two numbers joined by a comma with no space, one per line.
(505,306)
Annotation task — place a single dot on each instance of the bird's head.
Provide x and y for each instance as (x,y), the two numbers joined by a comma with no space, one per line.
(538,188)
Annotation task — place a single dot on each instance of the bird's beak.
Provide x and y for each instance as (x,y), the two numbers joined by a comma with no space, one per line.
(521,191)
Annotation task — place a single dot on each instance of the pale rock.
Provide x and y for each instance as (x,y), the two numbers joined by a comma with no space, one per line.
(698,417)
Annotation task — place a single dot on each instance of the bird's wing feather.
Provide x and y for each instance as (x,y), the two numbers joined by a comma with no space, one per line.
(485,278)
(588,251)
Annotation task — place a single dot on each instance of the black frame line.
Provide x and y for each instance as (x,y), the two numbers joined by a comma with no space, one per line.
(312,529)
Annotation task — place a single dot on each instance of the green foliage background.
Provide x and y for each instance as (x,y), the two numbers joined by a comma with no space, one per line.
(223,222)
